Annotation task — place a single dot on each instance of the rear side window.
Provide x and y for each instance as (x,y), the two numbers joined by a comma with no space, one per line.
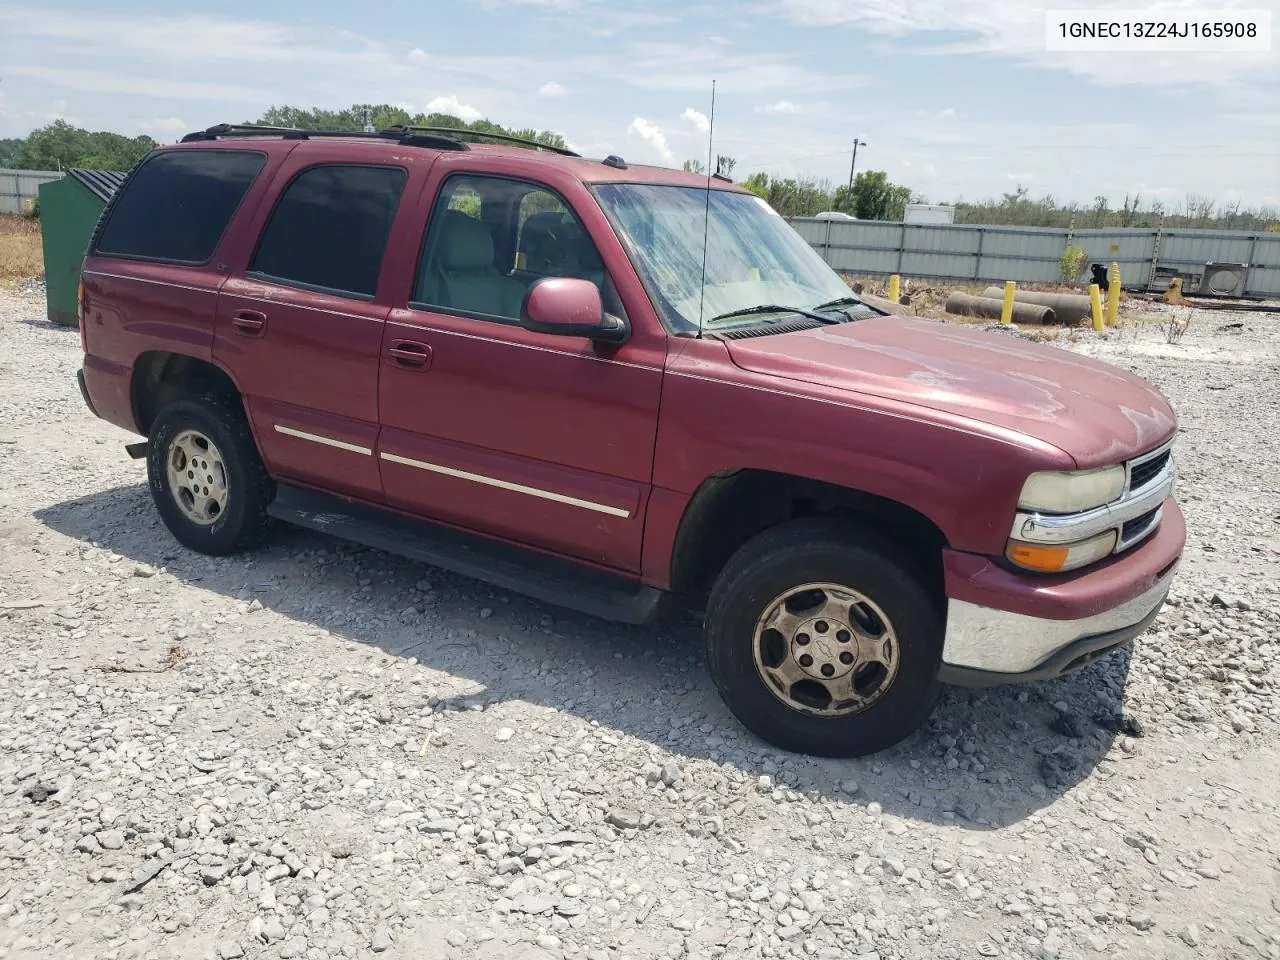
(177,205)
(329,230)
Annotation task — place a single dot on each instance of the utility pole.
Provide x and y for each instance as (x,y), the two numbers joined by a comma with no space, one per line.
(856,144)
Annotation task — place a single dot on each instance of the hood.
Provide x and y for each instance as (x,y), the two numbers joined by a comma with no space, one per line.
(1095,412)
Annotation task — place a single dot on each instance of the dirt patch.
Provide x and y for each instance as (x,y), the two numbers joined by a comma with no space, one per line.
(20,252)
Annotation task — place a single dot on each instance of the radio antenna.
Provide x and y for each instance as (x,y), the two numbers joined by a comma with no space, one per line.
(706,221)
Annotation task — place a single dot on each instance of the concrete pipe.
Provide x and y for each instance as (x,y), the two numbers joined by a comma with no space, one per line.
(964,305)
(1067,307)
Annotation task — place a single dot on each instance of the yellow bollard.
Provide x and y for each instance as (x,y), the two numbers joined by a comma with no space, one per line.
(1006,311)
(895,288)
(1113,295)
(1095,306)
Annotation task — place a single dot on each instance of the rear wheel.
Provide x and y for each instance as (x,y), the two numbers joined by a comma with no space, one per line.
(206,477)
(822,640)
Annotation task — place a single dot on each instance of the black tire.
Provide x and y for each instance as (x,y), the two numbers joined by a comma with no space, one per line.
(823,551)
(243,523)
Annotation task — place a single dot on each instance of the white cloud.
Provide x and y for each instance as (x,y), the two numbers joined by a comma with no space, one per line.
(495,6)
(418,55)
(24,117)
(220,38)
(778,107)
(595,19)
(102,81)
(690,67)
(453,107)
(697,118)
(165,129)
(552,89)
(650,133)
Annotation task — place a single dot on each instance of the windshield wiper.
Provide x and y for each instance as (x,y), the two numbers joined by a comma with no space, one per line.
(840,302)
(774,308)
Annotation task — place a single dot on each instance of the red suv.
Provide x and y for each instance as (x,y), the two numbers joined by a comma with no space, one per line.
(607,385)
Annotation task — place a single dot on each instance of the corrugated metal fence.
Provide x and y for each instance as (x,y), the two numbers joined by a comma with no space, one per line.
(19,188)
(972,252)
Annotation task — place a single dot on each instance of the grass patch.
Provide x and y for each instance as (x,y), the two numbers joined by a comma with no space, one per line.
(20,252)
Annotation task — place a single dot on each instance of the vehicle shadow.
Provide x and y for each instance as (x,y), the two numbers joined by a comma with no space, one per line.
(985,759)
(44,323)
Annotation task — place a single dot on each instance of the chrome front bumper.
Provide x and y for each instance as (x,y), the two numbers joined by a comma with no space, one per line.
(986,646)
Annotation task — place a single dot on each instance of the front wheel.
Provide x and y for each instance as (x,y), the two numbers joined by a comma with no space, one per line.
(821,640)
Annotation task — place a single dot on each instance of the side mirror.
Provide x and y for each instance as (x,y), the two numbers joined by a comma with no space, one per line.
(569,307)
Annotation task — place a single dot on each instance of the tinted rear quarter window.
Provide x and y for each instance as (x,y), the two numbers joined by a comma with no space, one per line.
(330,228)
(177,205)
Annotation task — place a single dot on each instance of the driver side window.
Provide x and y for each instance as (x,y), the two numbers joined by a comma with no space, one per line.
(490,239)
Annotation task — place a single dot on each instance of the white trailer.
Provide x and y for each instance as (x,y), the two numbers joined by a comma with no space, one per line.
(929,213)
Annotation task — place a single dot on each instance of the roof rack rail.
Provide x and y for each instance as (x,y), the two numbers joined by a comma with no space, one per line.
(247,130)
(452,132)
(293,133)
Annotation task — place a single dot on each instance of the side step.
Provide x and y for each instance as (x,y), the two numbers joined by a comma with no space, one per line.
(543,578)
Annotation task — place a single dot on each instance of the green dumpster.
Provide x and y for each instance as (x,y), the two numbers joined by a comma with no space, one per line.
(69,210)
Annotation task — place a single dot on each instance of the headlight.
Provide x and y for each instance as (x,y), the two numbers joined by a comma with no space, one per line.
(1061,491)
(1058,558)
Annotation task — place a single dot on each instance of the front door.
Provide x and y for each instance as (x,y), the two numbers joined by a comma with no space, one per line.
(299,326)
(542,440)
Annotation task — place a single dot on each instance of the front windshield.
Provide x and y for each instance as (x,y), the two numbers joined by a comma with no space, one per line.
(753,255)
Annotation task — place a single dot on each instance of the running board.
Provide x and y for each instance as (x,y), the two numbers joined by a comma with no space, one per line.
(535,575)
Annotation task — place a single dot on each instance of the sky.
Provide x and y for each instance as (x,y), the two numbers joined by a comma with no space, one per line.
(957,99)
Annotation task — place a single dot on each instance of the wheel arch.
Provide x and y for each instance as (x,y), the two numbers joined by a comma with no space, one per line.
(160,377)
(732,506)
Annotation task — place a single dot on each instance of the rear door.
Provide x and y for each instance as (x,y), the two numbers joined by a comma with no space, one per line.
(299,321)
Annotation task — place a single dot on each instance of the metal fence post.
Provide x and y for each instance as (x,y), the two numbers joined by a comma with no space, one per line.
(1155,253)
(977,259)
(902,246)
(1248,267)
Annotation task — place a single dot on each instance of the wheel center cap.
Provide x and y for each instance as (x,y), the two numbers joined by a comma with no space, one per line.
(820,652)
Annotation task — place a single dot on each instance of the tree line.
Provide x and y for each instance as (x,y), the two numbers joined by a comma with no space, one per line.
(872,196)
(1195,210)
(60,145)
(380,116)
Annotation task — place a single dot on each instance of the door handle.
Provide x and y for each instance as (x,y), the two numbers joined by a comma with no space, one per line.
(250,323)
(410,353)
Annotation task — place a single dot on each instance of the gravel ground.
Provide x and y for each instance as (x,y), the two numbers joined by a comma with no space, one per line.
(324,751)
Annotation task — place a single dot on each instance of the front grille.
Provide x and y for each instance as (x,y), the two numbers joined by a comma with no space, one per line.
(1143,473)
(1136,527)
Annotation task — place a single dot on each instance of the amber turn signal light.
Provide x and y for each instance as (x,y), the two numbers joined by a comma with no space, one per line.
(1036,556)
(1058,558)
